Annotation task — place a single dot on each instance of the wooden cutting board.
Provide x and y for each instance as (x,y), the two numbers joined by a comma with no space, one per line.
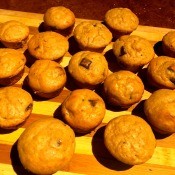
(90,156)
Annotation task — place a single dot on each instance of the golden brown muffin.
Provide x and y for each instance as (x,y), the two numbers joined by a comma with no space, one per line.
(161,72)
(88,69)
(121,21)
(14,34)
(160,112)
(83,110)
(168,44)
(123,89)
(133,52)
(16,106)
(92,35)
(129,139)
(48,143)
(48,46)
(59,19)
(46,78)
(12,64)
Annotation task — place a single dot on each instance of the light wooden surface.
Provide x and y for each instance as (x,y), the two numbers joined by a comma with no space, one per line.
(90,156)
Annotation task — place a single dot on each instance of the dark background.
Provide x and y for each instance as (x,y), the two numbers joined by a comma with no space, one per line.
(159,13)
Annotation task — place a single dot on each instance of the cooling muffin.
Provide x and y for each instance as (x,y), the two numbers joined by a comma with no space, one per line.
(83,110)
(12,65)
(161,72)
(88,69)
(48,143)
(16,106)
(133,52)
(129,139)
(121,21)
(160,112)
(48,46)
(123,89)
(168,44)
(14,34)
(46,78)
(92,35)
(59,19)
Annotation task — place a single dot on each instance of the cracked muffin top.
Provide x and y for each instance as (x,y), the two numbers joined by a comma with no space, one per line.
(121,19)
(133,52)
(123,88)
(48,46)
(130,139)
(83,110)
(88,69)
(16,106)
(48,143)
(59,17)
(160,112)
(161,72)
(92,35)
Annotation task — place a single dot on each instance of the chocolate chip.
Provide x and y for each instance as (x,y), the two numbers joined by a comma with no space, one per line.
(172,80)
(93,102)
(36,48)
(171,68)
(59,142)
(85,63)
(122,51)
(29,107)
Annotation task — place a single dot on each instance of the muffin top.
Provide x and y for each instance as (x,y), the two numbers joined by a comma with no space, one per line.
(161,72)
(46,76)
(16,105)
(169,40)
(129,139)
(11,62)
(83,110)
(168,44)
(59,17)
(88,68)
(92,35)
(160,112)
(13,31)
(123,88)
(48,45)
(121,19)
(133,51)
(48,143)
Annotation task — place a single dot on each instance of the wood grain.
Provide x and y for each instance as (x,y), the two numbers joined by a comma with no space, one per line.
(91,156)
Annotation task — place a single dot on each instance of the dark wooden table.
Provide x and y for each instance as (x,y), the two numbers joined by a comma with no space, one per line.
(159,13)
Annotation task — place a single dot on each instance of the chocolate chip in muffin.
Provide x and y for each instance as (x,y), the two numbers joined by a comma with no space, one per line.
(85,63)
(92,102)
(29,107)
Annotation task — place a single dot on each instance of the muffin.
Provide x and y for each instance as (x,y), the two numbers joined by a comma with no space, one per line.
(14,34)
(161,72)
(123,89)
(48,46)
(121,21)
(168,44)
(12,65)
(132,52)
(83,110)
(48,143)
(129,139)
(160,112)
(88,69)
(46,78)
(59,19)
(16,106)
(92,36)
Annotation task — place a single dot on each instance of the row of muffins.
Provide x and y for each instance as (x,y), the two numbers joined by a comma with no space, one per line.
(86,60)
